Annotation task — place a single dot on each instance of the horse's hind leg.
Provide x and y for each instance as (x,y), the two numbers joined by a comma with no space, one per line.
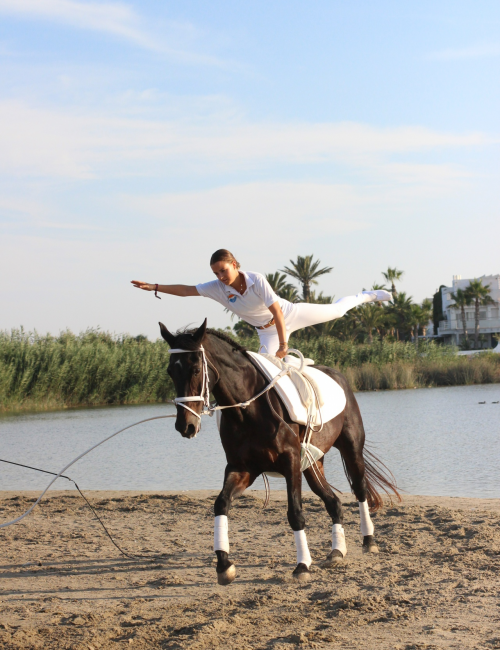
(315,477)
(235,482)
(351,449)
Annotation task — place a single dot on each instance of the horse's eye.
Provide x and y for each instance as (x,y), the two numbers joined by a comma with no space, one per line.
(196,371)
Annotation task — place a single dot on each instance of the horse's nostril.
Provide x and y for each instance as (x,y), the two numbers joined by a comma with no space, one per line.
(187,430)
(191,431)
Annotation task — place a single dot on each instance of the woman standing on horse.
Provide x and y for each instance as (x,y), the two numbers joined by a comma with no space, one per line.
(250,296)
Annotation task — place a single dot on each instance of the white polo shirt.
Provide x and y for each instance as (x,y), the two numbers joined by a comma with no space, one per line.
(253,305)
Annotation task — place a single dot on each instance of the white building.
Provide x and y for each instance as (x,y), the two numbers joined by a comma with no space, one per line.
(451,329)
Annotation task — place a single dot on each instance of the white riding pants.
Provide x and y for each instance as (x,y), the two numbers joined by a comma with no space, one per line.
(305,314)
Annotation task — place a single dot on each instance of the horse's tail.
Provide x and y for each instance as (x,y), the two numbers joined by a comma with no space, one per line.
(377,475)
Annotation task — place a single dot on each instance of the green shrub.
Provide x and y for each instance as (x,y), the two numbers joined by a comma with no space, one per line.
(332,352)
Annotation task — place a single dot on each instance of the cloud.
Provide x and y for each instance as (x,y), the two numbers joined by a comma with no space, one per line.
(32,213)
(268,212)
(21,206)
(471,52)
(115,18)
(68,144)
(272,207)
(38,142)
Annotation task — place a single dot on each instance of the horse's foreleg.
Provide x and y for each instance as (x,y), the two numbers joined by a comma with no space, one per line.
(235,482)
(315,477)
(297,521)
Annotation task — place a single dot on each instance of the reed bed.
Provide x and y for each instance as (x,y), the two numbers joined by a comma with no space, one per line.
(484,369)
(96,368)
(90,369)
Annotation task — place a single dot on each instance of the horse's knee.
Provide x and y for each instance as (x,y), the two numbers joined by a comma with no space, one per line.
(296,519)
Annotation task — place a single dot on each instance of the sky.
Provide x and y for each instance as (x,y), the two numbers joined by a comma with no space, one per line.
(138,138)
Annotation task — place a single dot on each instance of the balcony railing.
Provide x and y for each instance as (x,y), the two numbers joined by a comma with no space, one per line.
(489,324)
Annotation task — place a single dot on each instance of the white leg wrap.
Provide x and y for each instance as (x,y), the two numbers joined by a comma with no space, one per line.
(221,538)
(367,526)
(303,555)
(338,539)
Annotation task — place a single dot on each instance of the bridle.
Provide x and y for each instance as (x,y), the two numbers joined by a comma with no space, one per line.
(205,390)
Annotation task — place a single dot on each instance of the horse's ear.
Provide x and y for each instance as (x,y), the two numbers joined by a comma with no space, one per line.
(200,332)
(169,338)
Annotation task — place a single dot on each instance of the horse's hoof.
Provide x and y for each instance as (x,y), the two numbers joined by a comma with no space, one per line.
(373,548)
(301,573)
(333,559)
(369,544)
(227,576)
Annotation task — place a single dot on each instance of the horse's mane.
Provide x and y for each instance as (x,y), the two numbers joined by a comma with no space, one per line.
(185,341)
(228,339)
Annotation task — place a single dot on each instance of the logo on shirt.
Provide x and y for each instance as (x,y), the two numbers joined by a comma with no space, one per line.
(232,297)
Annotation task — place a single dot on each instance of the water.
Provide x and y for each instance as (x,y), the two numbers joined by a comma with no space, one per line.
(437,441)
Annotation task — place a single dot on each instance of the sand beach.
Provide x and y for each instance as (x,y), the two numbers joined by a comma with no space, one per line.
(434,584)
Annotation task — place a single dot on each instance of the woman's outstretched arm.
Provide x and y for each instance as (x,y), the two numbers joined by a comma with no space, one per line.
(173,289)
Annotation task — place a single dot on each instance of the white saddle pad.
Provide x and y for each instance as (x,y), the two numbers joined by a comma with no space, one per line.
(332,395)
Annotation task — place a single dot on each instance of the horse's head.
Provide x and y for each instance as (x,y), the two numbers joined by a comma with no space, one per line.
(188,374)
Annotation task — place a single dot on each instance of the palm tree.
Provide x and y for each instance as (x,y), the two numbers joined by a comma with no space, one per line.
(306,271)
(290,293)
(462,300)
(480,296)
(244,329)
(281,287)
(426,314)
(393,275)
(389,322)
(376,286)
(418,316)
(401,309)
(371,318)
(346,328)
(320,299)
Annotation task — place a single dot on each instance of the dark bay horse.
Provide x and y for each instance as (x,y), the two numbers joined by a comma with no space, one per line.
(261,438)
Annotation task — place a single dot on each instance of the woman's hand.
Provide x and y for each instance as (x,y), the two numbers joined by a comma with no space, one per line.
(143,285)
(279,321)
(282,351)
